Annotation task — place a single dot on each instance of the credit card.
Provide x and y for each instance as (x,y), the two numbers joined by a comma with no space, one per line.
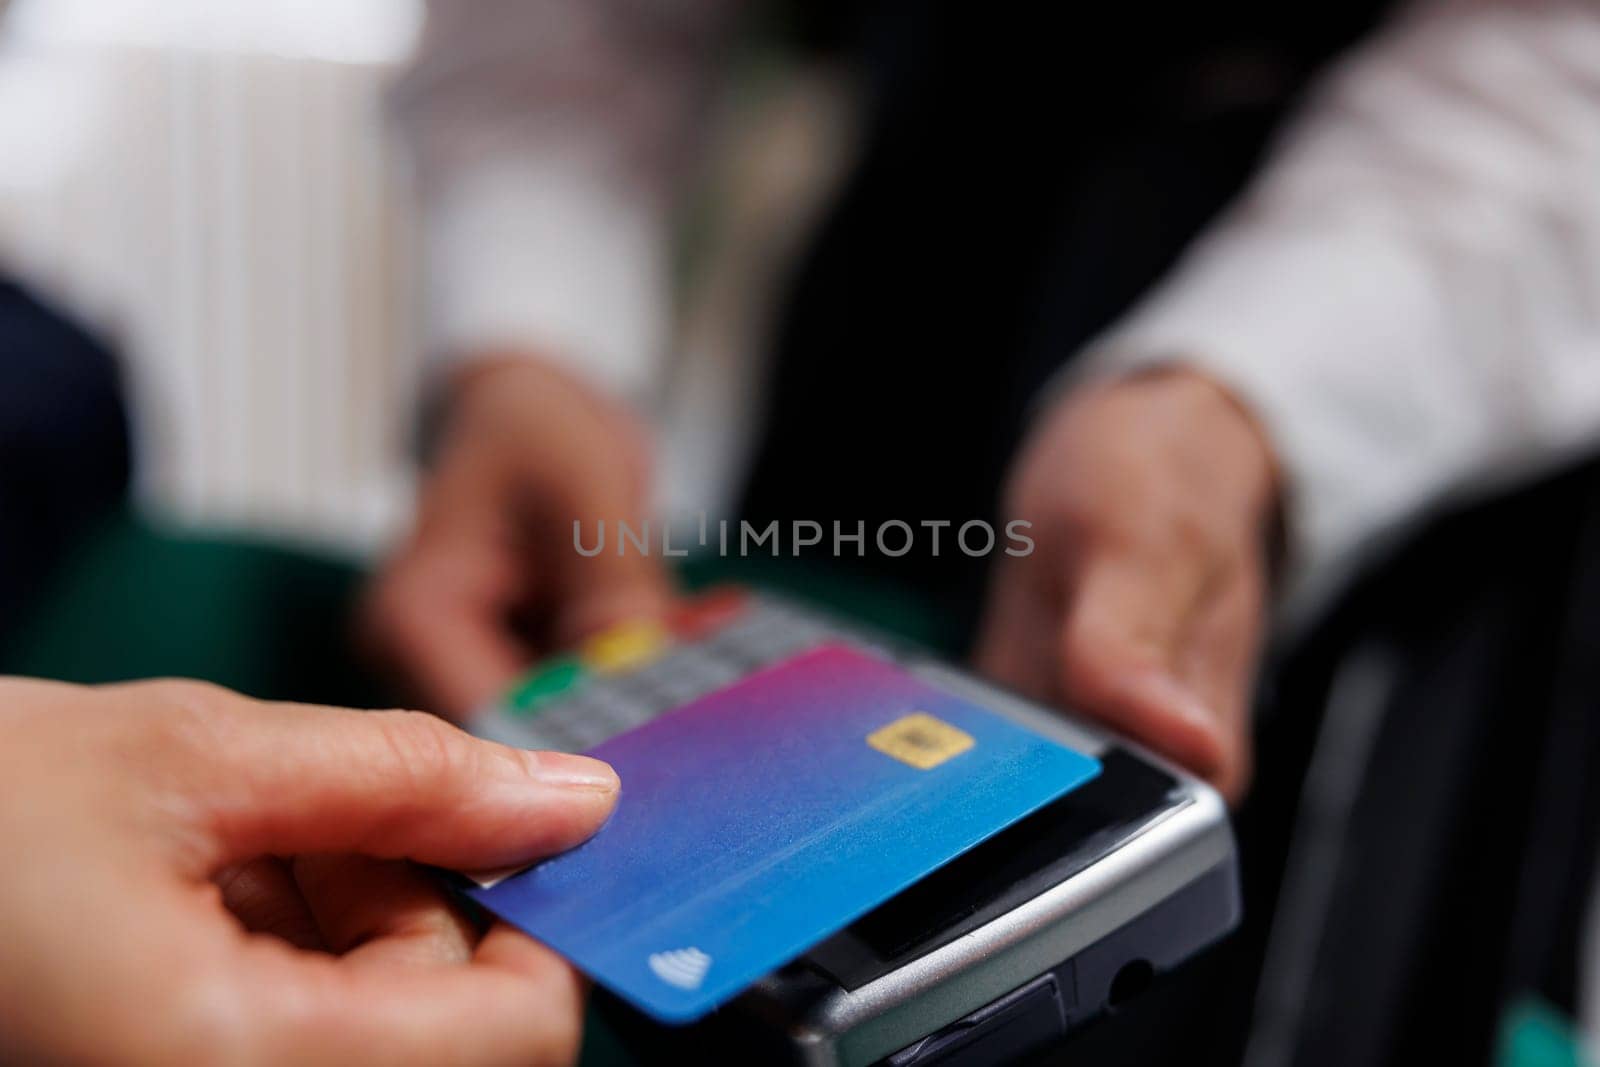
(761,819)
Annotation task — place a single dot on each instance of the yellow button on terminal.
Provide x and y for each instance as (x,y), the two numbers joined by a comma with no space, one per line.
(625,647)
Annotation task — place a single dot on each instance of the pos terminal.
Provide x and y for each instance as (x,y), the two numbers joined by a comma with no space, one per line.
(1032,932)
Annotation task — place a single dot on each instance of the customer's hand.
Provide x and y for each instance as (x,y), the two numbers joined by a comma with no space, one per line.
(194,877)
(490,578)
(1152,500)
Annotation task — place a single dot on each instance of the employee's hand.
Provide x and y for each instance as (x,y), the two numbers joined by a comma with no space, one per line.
(490,578)
(152,910)
(1152,499)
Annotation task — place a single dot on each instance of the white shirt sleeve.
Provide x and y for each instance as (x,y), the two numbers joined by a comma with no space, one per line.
(1408,296)
(549,137)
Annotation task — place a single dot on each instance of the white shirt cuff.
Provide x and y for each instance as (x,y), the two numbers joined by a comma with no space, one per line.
(1318,334)
(547,254)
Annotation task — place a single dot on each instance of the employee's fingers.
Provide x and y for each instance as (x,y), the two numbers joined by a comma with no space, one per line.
(289,779)
(441,614)
(1218,662)
(1017,640)
(513,1003)
(441,611)
(1120,641)
(383,911)
(607,589)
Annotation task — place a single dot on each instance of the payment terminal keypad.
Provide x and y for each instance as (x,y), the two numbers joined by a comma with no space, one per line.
(630,674)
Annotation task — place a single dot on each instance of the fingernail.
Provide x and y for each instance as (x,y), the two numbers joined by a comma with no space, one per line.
(573,772)
(1169,692)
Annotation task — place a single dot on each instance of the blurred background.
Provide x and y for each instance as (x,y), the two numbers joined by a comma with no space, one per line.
(215,188)
(209,185)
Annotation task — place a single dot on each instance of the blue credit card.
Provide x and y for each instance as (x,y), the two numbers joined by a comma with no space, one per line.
(757,821)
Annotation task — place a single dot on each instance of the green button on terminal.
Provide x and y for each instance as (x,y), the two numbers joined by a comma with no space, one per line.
(550,681)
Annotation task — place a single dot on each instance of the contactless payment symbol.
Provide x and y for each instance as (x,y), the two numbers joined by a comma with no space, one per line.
(920,740)
(684,967)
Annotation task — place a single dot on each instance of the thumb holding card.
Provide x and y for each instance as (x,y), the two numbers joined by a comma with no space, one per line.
(155,817)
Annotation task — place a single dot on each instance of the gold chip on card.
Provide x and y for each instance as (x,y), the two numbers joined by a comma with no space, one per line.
(920,740)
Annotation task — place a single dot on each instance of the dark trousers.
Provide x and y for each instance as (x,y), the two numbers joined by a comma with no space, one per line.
(1419,847)
(64,450)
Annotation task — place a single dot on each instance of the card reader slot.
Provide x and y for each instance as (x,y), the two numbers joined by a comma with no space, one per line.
(1010,868)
